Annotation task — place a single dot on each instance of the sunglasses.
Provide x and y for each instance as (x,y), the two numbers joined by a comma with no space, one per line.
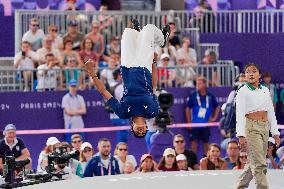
(53,30)
(123,149)
(166,59)
(35,25)
(87,150)
(179,141)
(244,157)
(76,141)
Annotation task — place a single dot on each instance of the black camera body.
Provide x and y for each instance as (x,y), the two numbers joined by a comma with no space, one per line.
(164,116)
(11,165)
(60,156)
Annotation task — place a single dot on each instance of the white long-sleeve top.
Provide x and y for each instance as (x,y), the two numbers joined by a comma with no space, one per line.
(250,99)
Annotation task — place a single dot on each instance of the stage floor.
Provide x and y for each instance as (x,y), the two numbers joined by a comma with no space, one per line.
(162,180)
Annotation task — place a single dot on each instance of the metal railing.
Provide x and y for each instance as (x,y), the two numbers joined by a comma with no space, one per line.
(203,47)
(236,21)
(57,79)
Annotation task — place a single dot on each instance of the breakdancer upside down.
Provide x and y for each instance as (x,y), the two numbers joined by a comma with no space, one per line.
(139,73)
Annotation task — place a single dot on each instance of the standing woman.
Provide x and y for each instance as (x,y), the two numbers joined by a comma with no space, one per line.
(255,115)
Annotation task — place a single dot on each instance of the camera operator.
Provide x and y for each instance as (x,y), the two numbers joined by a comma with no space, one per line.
(13,146)
(61,162)
(51,144)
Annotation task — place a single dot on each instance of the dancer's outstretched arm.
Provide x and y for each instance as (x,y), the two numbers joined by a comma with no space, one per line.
(100,86)
(154,73)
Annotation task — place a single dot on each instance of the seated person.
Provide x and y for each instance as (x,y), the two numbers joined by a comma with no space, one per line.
(12,145)
(137,53)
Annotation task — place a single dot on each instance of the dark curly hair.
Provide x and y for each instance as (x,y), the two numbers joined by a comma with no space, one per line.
(136,134)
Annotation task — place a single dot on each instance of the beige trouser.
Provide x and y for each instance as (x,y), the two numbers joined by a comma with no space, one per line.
(257,134)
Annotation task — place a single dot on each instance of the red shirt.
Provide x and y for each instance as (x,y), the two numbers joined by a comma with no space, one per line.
(84,56)
(163,168)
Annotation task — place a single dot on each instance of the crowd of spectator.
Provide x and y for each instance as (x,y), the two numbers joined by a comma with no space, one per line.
(59,57)
(103,161)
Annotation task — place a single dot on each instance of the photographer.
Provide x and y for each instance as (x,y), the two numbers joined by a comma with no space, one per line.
(51,144)
(13,146)
(26,59)
(61,163)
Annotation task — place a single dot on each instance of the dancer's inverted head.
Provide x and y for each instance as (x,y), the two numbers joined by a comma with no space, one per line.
(138,126)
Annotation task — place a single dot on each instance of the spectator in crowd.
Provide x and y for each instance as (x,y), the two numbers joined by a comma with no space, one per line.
(103,163)
(97,38)
(51,144)
(168,161)
(239,81)
(203,18)
(213,160)
(74,108)
(272,88)
(47,48)
(105,22)
(68,52)
(73,34)
(170,50)
(202,107)
(76,143)
(117,89)
(48,74)
(182,163)
(70,5)
(122,156)
(57,41)
(190,53)
(151,130)
(72,72)
(147,164)
(280,155)
(86,154)
(26,59)
(11,145)
(87,52)
(106,74)
(114,46)
(35,35)
(128,168)
(165,74)
(210,58)
(232,154)
(228,120)
(179,145)
(271,158)
(185,74)
(174,39)
(243,159)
